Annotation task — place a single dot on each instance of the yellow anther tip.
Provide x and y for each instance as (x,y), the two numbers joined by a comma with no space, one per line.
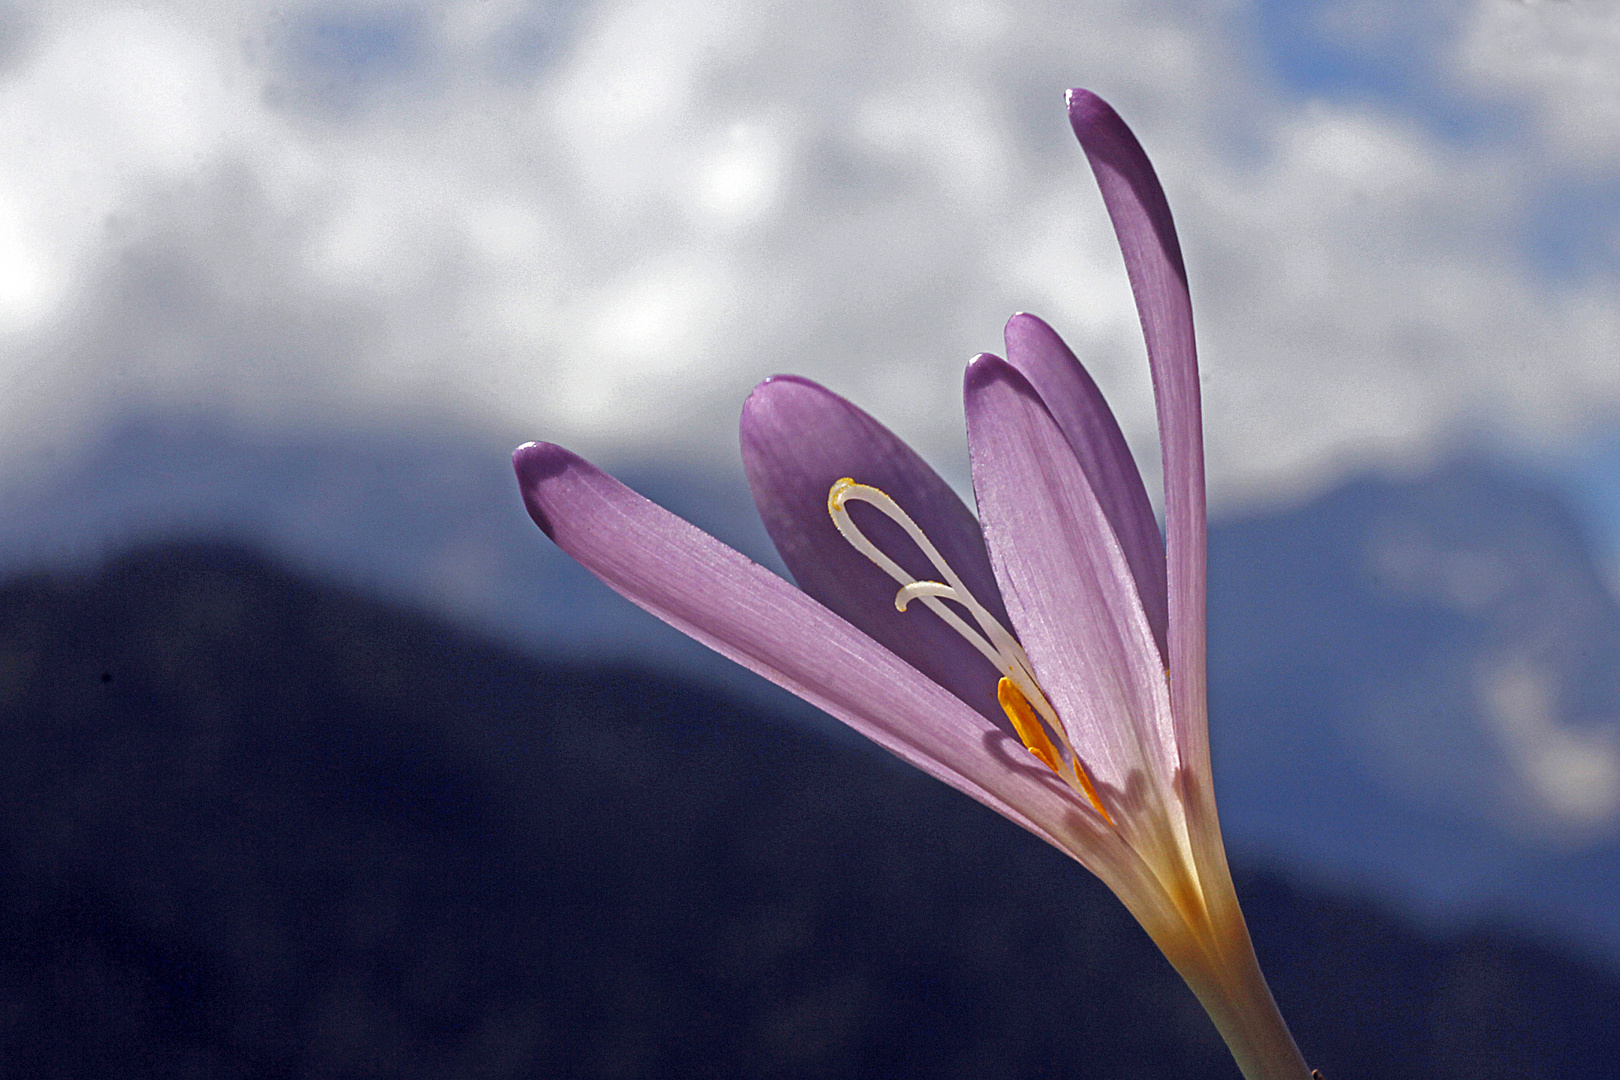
(838,493)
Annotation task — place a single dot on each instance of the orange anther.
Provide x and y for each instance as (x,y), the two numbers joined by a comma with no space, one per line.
(1033,733)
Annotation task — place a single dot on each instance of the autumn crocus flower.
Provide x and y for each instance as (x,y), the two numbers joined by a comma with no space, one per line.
(1046,659)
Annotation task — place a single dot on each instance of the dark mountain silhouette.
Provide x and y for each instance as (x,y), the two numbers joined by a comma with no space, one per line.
(257,826)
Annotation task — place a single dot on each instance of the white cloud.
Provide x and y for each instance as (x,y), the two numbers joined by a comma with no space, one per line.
(109,104)
(1571,775)
(1560,61)
(360,213)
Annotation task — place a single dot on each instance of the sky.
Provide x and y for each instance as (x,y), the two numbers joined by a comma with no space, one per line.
(601,222)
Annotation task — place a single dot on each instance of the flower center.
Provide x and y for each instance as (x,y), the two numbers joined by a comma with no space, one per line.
(1020,695)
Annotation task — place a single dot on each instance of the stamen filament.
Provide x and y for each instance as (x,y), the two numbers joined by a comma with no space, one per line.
(1019,692)
(994,642)
(908,593)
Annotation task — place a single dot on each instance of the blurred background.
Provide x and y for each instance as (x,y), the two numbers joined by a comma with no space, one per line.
(321,761)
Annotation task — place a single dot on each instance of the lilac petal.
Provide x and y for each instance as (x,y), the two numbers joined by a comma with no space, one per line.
(1067,586)
(798,438)
(1147,237)
(1040,355)
(738,608)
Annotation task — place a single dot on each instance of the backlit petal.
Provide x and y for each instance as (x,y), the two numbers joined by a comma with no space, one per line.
(1066,584)
(1147,238)
(1063,383)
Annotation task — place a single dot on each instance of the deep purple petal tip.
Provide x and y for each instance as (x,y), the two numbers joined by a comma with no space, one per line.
(981,368)
(535,462)
(1086,107)
(1130,186)
(771,379)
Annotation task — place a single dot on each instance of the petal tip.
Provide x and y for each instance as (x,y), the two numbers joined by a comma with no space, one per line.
(533,456)
(1024,324)
(982,370)
(770,382)
(768,392)
(1085,106)
(535,463)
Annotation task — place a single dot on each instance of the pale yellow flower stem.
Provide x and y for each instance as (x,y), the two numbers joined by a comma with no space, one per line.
(1238,1000)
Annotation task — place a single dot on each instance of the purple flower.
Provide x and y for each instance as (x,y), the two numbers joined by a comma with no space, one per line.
(1046,659)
